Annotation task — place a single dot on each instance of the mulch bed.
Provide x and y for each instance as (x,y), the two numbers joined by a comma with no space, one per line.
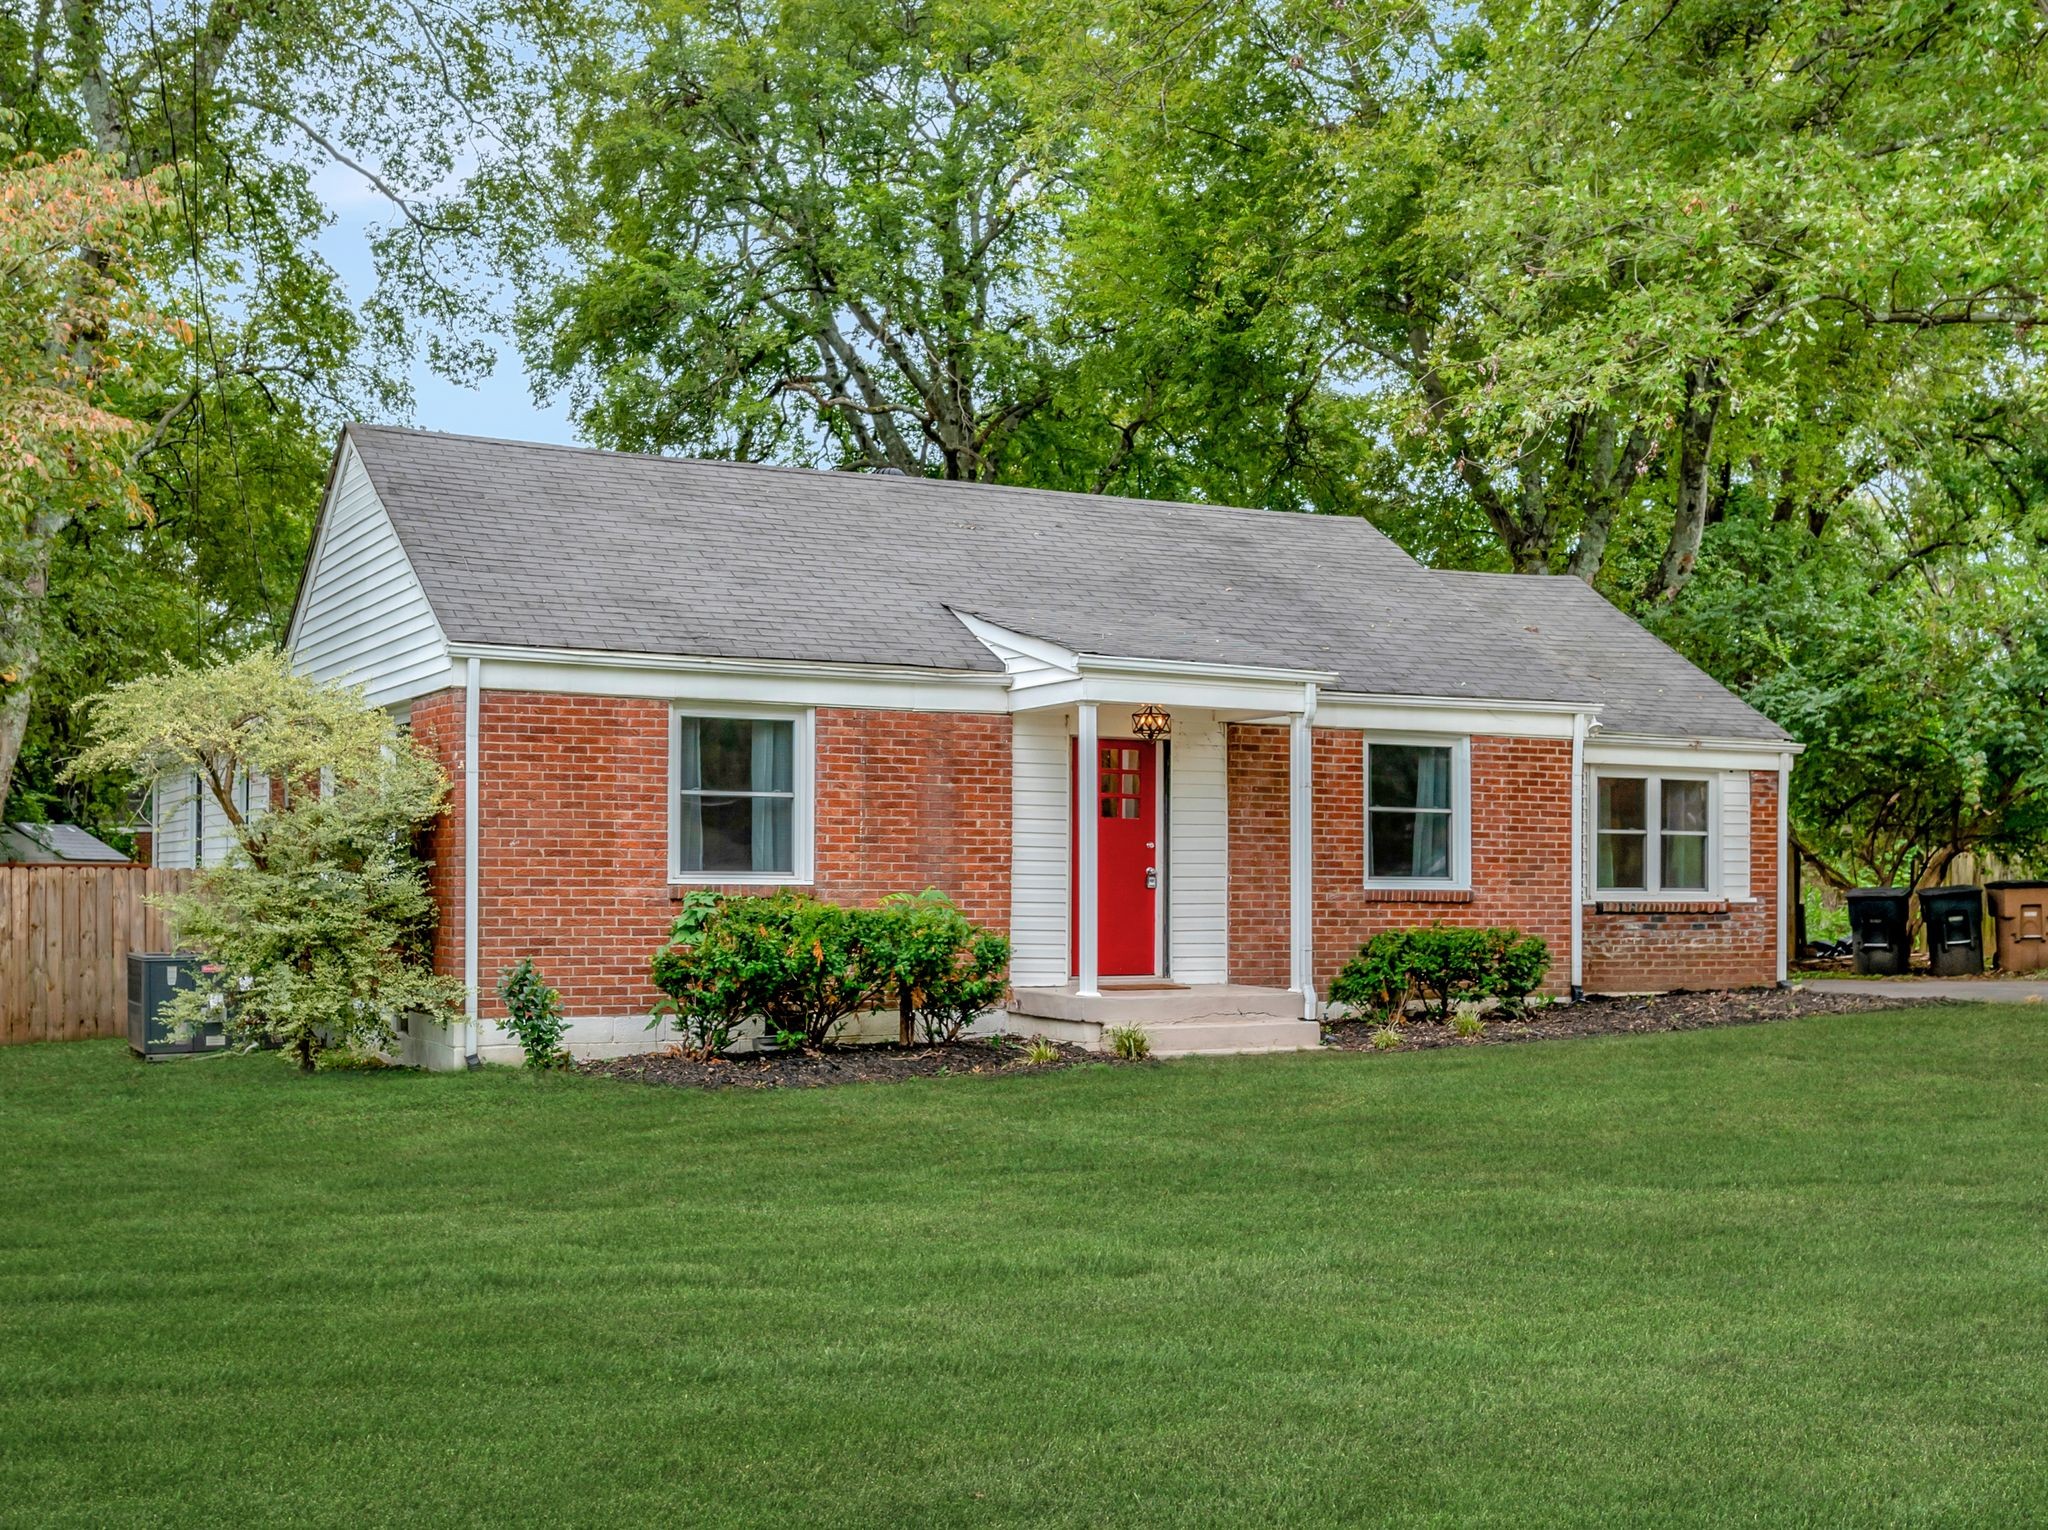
(1626,1017)
(887,1063)
(882,1062)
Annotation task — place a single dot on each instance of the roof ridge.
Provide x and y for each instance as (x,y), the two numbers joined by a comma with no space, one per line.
(924,483)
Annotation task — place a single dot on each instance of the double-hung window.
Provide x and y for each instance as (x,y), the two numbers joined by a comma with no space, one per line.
(1415,811)
(741,812)
(1651,834)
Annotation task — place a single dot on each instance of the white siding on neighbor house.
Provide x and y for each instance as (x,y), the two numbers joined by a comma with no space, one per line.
(362,616)
(1735,834)
(1038,849)
(182,805)
(1198,891)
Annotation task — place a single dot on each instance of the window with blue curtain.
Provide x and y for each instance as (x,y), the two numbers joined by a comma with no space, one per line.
(737,809)
(1408,803)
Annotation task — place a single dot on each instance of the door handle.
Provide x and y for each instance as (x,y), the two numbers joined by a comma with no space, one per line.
(1151,876)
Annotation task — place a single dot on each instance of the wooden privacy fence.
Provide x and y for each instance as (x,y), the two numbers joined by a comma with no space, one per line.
(65,935)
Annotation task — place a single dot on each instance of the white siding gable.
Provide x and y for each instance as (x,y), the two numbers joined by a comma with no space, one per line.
(363,617)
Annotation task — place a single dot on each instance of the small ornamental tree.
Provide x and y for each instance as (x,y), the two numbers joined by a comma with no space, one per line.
(317,921)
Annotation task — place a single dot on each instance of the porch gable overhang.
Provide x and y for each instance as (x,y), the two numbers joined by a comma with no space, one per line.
(1045,675)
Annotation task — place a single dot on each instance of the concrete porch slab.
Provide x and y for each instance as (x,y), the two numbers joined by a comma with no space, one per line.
(1158,1006)
(1201,1018)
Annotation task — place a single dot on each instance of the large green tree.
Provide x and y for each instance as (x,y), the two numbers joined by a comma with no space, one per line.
(235,111)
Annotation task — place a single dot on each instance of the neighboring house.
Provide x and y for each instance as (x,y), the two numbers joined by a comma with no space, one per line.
(187,825)
(646,675)
(55,844)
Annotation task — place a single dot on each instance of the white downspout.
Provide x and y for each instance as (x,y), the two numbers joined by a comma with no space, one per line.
(1578,856)
(1087,854)
(1784,858)
(1301,852)
(471,706)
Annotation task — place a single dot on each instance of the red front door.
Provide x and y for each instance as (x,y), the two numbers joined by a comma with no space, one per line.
(1122,793)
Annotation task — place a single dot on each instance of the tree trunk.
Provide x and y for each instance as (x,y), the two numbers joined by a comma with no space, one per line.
(20,655)
(1704,392)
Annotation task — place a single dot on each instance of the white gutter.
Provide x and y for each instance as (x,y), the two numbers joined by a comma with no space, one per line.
(1579,723)
(471,704)
(1784,867)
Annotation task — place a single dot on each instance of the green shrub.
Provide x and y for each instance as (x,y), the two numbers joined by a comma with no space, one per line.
(1375,981)
(1130,1042)
(533,1014)
(1038,1051)
(798,965)
(946,969)
(1442,963)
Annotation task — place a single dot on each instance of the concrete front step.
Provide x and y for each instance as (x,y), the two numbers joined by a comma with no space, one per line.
(1188,1037)
(1210,1017)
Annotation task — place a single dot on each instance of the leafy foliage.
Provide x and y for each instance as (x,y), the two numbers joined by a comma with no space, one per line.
(1129,1042)
(318,920)
(798,964)
(947,971)
(533,1014)
(75,319)
(1444,964)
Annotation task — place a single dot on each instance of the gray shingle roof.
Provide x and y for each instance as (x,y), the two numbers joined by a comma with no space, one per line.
(563,547)
(54,844)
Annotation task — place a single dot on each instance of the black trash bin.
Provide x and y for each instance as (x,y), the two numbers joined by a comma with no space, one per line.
(1878,921)
(1955,929)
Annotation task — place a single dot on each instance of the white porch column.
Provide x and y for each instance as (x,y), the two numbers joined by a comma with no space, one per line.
(1301,853)
(1087,858)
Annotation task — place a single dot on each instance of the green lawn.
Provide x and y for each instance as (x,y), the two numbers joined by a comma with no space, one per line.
(1782,1274)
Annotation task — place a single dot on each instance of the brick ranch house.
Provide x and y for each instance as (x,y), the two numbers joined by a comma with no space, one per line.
(647,675)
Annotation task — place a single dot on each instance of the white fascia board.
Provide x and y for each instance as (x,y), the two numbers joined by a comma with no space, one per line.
(777,682)
(1452,715)
(1608,749)
(1249,698)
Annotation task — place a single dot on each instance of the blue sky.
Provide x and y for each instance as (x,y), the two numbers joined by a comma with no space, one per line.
(503,405)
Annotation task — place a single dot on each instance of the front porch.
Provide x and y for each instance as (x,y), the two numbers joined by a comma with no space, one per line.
(1179,1018)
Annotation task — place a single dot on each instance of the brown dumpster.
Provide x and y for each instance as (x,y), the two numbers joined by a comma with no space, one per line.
(2019,913)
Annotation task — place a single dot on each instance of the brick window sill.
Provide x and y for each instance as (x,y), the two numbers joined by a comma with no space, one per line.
(1661,906)
(1418,895)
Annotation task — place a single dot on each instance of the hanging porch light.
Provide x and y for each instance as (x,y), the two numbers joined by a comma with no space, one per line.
(1150,721)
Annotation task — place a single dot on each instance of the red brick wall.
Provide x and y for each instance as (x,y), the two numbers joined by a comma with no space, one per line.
(1704,945)
(1521,872)
(1521,852)
(573,797)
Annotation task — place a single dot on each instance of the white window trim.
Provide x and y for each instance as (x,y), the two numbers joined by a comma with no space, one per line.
(803,811)
(1653,778)
(1460,879)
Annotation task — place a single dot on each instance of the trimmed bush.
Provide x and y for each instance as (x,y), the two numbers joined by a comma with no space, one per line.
(947,970)
(799,965)
(1442,964)
(802,966)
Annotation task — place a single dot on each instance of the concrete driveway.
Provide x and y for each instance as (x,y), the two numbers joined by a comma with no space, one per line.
(1988,990)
